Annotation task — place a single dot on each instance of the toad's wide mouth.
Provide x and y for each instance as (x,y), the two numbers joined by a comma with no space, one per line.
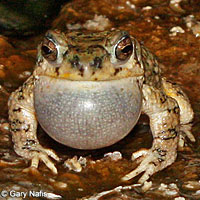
(57,82)
(98,76)
(87,114)
(107,73)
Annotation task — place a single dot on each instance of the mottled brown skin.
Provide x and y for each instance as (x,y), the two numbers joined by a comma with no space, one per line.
(82,56)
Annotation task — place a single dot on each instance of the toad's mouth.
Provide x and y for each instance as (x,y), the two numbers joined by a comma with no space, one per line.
(85,73)
(87,114)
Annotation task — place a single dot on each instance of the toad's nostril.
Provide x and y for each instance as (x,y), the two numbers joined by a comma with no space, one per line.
(96,62)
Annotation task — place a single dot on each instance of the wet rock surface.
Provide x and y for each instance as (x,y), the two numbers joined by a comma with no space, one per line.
(26,17)
(165,28)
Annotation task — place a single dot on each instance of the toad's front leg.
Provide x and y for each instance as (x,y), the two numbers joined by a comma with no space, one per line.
(163,112)
(23,125)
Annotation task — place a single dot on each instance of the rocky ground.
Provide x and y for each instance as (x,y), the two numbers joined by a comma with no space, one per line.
(171,30)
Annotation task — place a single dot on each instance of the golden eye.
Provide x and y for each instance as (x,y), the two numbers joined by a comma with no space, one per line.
(49,50)
(124,48)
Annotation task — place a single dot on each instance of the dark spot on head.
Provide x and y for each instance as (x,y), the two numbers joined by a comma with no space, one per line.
(17,121)
(169,110)
(176,109)
(65,53)
(96,39)
(180,93)
(17,109)
(163,99)
(81,71)
(117,70)
(75,62)
(96,63)
(57,71)
(88,36)
(70,46)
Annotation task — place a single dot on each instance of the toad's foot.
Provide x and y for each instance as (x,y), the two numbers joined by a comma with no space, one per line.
(185,131)
(42,154)
(150,162)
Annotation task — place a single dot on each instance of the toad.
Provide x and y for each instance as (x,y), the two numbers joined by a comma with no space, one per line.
(88,90)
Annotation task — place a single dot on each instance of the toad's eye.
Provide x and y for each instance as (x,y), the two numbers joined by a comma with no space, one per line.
(49,50)
(124,48)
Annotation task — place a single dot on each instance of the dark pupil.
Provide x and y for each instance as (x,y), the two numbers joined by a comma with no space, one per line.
(46,50)
(127,49)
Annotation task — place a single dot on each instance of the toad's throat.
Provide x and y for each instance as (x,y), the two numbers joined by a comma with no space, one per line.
(87,114)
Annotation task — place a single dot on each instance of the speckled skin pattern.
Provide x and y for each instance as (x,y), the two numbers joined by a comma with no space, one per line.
(99,58)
